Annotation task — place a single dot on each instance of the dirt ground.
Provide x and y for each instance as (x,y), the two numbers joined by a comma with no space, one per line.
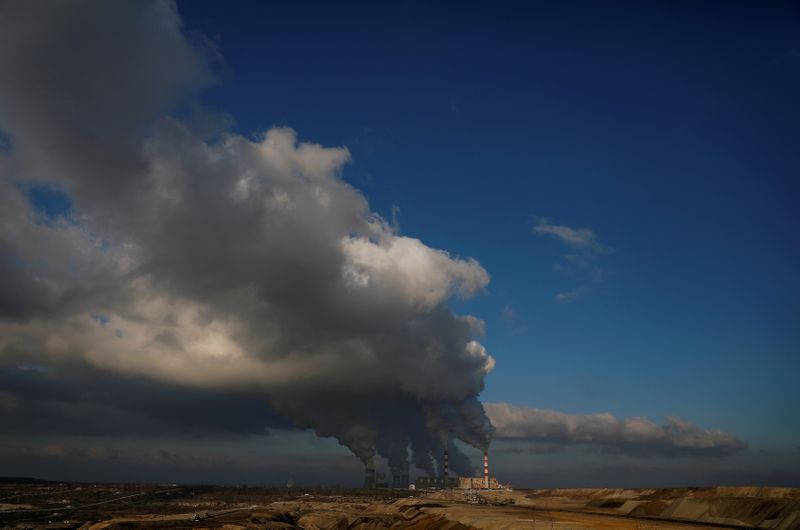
(90,506)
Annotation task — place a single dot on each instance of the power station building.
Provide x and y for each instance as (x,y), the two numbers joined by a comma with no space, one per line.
(464,483)
(477,483)
(437,483)
(401,480)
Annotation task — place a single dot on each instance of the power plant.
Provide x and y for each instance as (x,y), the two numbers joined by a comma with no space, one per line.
(485,482)
(445,481)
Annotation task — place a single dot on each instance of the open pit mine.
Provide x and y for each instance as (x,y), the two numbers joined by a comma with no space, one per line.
(27,503)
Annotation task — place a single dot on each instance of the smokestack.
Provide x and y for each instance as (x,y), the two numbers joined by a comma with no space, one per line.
(369,475)
(486,469)
(446,462)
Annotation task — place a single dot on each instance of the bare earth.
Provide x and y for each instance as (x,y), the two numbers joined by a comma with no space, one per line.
(89,506)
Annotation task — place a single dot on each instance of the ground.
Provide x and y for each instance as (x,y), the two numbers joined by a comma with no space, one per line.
(96,506)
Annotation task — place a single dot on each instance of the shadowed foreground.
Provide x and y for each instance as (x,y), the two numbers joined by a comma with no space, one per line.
(63,505)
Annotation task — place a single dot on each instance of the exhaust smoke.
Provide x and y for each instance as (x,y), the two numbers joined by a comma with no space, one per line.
(222,262)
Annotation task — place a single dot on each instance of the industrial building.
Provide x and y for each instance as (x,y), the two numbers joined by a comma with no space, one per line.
(466,483)
(477,483)
(437,483)
(401,479)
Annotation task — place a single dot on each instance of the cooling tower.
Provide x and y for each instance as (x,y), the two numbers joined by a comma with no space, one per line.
(369,475)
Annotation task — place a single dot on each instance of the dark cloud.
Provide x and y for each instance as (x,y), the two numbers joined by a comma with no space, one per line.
(530,449)
(78,399)
(83,82)
(632,436)
(204,282)
(143,460)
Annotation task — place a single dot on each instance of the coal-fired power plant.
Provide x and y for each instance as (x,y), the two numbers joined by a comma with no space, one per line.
(400,477)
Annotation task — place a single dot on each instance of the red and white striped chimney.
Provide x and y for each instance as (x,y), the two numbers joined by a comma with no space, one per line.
(486,469)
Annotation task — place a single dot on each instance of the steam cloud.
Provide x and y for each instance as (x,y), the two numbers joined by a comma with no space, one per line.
(637,436)
(201,261)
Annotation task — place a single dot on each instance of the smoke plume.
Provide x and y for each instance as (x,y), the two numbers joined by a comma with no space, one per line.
(634,436)
(210,263)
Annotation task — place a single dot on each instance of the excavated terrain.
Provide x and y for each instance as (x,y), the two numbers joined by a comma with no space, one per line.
(116,506)
(773,508)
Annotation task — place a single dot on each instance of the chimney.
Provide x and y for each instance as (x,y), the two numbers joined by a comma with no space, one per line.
(486,469)
(446,466)
(369,475)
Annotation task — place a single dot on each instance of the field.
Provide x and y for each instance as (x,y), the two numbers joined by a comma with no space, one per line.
(96,506)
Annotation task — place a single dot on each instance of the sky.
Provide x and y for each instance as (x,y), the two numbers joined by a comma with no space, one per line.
(245,243)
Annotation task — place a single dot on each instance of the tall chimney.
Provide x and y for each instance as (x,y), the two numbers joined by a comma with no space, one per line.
(486,469)
(446,466)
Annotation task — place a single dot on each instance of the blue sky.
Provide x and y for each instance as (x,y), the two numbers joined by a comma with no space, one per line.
(669,130)
(626,174)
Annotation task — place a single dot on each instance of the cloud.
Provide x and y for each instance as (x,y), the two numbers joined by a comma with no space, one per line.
(581,262)
(582,239)
(85,108)
(79,399)
(118,456)
(570,296)
(508,314)
(531,449)
(635,436)
(259,460)
(206,267)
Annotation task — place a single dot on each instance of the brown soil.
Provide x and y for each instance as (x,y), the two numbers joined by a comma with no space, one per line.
(140,506)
